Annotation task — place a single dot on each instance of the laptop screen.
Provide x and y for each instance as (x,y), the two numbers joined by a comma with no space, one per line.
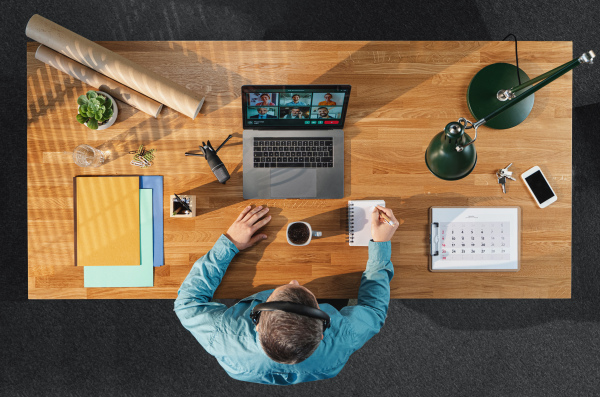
(294,106)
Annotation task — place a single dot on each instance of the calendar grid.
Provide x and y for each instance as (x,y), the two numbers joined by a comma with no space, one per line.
(474,241)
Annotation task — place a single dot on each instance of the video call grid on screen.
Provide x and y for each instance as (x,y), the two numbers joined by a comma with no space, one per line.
(306,106)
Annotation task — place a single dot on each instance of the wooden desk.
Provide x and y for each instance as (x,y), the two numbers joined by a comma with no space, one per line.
(403,93)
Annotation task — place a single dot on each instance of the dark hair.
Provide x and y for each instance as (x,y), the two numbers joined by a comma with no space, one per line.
(290,338)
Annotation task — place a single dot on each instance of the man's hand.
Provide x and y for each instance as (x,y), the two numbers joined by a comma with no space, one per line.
(241,233)
(380,230)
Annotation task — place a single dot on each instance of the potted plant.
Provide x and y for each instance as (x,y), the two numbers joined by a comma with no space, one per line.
(97,110)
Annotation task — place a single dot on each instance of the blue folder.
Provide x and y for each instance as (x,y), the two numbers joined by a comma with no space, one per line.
(155,182)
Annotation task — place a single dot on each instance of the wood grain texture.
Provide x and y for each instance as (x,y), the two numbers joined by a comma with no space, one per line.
(403,93)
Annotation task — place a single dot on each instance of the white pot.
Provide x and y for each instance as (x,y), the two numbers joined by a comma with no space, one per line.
(112,120)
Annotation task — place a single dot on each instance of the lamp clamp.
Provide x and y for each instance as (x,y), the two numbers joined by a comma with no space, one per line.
(505,95)
(466,124)
(587,57)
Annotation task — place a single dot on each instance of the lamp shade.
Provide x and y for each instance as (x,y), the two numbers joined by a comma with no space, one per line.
(442,157)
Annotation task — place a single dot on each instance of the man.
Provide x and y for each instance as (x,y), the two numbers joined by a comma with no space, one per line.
(327,101)
(263,113)
(296,101)
(324,113)
(283,348)
(294,113)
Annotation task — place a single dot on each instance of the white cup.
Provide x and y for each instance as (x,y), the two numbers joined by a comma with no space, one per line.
(311,234)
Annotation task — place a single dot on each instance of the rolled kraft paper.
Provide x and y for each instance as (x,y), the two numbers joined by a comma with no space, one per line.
(100,81)
(114,66)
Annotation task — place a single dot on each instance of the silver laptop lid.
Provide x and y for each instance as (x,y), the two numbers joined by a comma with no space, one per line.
(294,107)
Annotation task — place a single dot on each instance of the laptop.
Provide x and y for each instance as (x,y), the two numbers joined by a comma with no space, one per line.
(293,141)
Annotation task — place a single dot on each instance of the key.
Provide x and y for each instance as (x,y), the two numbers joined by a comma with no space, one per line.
(505,172)
(502,181)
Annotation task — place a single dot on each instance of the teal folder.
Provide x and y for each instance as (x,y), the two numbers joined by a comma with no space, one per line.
(129,276)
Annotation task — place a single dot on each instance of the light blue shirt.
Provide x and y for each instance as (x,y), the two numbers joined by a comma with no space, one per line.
(300,103)
(230,336)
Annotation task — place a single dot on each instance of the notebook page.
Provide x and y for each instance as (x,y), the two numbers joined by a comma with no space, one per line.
(359,220)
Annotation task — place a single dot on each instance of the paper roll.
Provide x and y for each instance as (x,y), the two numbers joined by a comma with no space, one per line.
(114,66)
(100,81)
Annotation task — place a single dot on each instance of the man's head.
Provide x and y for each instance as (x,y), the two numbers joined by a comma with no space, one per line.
(323,112)
(295,97)
(262,111)
(295,112)
(290,338)
(328,97)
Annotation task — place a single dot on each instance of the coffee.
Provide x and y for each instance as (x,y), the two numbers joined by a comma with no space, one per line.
(298,233)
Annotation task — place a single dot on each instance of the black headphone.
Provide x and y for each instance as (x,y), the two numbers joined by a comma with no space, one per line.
(290,307)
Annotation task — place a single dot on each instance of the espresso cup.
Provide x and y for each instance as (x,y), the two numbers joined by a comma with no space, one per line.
(300,233)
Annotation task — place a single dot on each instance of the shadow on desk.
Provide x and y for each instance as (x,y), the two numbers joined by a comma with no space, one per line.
(350,282)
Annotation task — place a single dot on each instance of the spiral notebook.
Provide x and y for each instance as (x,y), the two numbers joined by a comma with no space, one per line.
(359,221)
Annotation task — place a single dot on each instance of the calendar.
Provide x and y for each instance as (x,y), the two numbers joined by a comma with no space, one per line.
(475,238)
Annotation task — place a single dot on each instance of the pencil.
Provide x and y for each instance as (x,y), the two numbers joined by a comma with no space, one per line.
(384,216)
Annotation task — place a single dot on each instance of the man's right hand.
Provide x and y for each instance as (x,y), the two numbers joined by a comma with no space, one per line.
(380,230)
(241,233)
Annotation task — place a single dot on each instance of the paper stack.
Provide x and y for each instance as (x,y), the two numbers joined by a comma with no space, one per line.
(118,229)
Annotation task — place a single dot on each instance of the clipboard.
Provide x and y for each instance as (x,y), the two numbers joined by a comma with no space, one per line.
(475,239)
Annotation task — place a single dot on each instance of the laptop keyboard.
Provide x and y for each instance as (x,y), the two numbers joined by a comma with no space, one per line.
(293,152)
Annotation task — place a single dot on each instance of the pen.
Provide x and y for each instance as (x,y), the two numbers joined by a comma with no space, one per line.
(183,203)
(387,219)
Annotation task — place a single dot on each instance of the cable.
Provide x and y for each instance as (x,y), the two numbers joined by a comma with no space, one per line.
(516,55)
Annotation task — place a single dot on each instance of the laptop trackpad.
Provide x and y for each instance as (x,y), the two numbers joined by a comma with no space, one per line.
(293,182)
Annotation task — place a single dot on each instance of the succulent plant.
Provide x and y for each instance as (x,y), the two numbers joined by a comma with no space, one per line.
(94,109)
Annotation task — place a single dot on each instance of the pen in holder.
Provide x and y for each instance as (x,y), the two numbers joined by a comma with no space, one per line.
(183,206)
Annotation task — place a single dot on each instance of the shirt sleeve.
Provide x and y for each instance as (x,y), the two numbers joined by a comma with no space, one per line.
(368,316)
(193,305)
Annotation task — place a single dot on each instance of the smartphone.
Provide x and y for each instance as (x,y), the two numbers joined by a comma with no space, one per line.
(538,186)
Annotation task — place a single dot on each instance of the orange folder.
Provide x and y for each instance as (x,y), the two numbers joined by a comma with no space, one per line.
(108,221)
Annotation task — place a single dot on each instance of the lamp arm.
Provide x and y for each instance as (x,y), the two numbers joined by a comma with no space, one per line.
(509,94)
(541,77)
(547,78)
(565,69)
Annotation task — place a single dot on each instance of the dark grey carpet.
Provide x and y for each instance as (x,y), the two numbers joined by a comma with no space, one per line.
(429,348)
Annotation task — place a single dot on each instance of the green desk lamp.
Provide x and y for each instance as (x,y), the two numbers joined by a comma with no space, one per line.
(451,154)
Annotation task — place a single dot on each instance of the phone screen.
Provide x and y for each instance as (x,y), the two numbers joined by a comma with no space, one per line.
(539,186)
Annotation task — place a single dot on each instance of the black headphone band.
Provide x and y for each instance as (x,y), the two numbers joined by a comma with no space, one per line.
(290,307)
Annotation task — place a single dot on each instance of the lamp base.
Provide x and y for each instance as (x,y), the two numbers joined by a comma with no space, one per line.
(482,95)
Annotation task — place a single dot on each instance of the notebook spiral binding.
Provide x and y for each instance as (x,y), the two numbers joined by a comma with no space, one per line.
(351,222)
